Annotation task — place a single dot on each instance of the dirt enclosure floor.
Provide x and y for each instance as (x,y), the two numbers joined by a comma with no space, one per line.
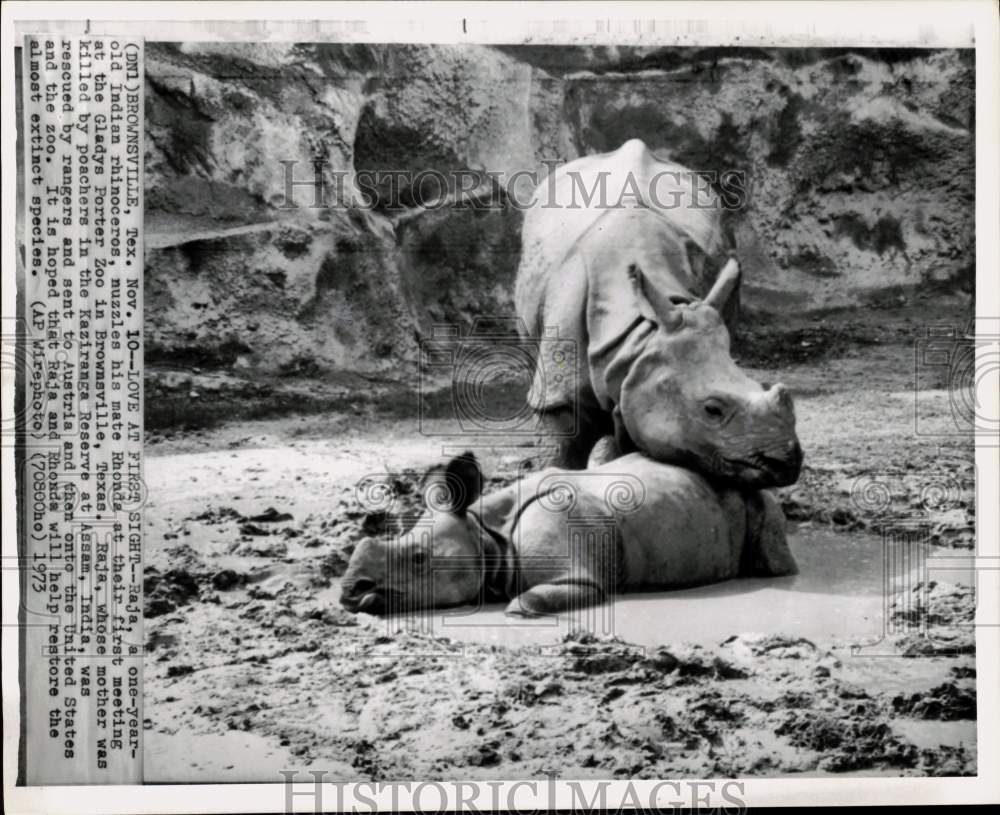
(253,667)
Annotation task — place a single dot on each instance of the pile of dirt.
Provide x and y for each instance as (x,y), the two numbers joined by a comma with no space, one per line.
(179,583)
(945,702)
(936,619)
(164,593)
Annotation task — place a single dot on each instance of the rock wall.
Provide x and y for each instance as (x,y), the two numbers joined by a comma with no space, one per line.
(859,170)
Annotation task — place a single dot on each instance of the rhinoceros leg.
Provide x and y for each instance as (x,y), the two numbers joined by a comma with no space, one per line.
(604,451)
(573,433)
(769,552)
(555,598)
(623,441)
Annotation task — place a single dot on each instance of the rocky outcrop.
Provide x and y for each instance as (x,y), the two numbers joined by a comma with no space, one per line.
(858,169)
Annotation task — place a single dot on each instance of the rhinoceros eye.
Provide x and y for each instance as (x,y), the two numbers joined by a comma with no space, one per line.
(714,410)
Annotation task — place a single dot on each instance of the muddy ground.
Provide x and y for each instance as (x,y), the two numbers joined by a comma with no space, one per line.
(252,666)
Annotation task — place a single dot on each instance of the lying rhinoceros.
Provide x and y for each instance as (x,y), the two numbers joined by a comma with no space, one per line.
(617,274)
(562,539)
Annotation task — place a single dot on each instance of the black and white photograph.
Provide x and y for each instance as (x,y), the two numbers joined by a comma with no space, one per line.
(609,409)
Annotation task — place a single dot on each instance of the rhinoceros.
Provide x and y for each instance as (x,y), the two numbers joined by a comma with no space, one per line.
(563,539)
(615,249)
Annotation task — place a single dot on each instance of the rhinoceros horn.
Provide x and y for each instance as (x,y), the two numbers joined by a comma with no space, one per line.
(724,285)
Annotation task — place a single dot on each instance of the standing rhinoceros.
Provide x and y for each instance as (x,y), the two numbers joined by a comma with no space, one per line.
(615,248)
(563,539)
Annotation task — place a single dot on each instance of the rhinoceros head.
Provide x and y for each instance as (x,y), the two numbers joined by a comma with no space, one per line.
(406,572)
(684,400)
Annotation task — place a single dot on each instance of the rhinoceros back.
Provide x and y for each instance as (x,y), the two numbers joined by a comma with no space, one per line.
(673,528)
(590,220)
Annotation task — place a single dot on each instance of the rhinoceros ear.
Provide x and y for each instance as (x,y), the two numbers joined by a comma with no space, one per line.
(455,486)
(660,310)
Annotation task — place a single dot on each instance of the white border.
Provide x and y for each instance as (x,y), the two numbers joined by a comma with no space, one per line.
(914,24)
(862,23)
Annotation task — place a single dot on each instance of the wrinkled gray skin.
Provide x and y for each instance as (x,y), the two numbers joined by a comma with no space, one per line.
(638,354)
(637,525)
